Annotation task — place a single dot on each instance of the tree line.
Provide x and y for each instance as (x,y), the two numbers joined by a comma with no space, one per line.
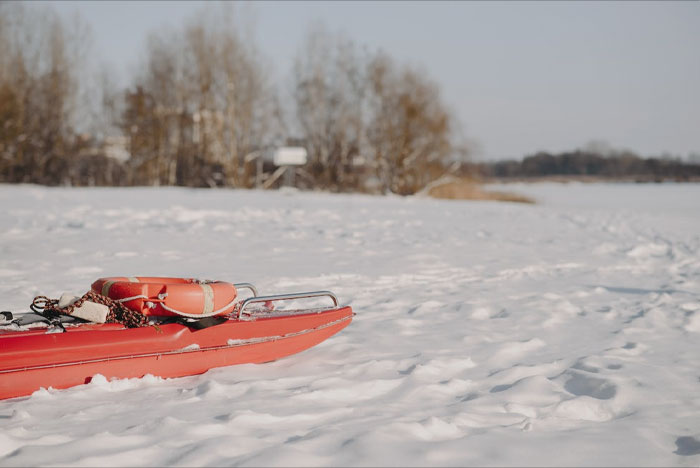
(616,165)
(202,110)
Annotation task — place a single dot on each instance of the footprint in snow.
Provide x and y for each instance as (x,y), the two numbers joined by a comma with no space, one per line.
(687,446)
(584,385)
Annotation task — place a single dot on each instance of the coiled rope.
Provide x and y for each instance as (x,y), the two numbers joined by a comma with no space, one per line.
(118,313)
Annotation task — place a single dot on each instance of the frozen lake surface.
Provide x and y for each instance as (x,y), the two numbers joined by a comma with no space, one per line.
(561,333)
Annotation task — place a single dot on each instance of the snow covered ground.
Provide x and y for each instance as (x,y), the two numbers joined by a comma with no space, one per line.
(562,333)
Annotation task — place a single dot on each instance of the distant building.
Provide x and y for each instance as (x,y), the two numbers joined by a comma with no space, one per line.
(116,147)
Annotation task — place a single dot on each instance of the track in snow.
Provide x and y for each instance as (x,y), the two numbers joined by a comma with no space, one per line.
(564,333)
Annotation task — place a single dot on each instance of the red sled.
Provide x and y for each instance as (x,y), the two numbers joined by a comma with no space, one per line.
(38,357)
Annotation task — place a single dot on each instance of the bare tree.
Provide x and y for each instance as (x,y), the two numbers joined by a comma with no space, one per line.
(362,114)
(40,56)
(330,90)
(201,106)
(410,133)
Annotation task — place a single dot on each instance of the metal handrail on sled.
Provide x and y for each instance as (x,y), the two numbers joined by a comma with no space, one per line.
(250,286)
(284,297)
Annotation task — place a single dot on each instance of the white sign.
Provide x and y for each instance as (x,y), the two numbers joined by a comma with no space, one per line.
(289,156)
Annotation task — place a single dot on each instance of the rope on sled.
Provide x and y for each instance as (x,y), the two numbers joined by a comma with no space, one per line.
(118,313)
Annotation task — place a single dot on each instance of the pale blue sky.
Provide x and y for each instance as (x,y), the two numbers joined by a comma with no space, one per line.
(520,76)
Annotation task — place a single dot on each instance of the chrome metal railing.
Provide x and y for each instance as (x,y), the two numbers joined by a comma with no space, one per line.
(250,286)
(284,297)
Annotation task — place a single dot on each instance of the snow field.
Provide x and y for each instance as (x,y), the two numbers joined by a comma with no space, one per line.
(564,333)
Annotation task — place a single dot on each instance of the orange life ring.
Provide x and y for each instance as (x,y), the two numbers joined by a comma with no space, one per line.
(186,297)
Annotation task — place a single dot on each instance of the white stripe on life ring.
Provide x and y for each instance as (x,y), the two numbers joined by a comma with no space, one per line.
(208,298)
(106,287)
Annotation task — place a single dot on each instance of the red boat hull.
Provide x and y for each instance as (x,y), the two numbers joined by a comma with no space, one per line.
(33,359)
